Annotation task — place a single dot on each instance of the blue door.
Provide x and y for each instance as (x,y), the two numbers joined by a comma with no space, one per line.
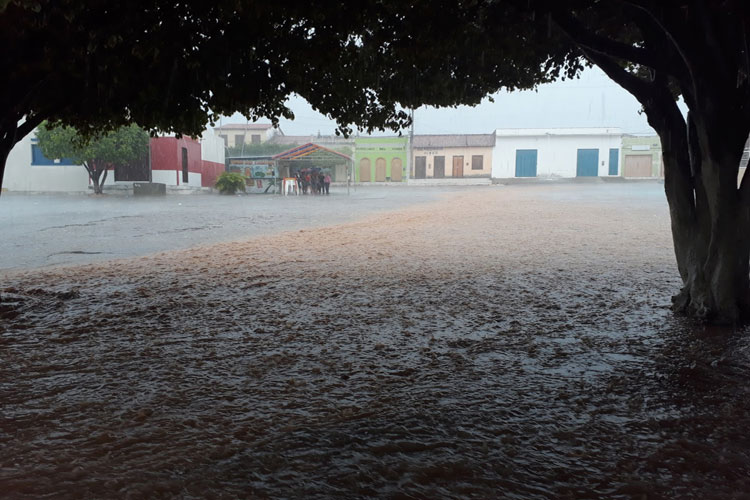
(614,159)
(588,163)
(525,162)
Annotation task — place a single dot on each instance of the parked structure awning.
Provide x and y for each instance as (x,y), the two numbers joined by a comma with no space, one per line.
(310,152)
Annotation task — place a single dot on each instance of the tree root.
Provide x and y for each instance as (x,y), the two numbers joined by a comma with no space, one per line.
(687,304)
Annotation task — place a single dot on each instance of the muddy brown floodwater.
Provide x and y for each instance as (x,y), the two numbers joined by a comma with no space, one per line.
(498,343)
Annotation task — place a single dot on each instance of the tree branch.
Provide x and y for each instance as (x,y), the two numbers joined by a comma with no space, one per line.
(636,86)
(603,45)
(648,8)
(744,190)
(28,125)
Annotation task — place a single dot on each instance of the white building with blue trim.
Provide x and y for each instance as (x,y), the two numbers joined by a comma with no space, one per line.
(556,152)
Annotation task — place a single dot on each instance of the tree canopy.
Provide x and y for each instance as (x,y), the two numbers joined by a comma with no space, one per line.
(116,148)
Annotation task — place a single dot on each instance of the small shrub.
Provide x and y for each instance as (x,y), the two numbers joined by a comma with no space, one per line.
(230,183)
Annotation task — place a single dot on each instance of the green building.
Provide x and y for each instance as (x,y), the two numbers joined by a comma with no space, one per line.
(380,159)
(641,156)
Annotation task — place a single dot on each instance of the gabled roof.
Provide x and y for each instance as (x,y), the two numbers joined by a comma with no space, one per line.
(308,151)
(454,141)
(244,126)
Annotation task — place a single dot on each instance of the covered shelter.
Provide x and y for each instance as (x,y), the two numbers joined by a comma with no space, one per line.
(311,155)
(264,173)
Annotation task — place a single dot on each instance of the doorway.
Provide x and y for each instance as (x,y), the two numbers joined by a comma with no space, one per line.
(458,166)
(439,164)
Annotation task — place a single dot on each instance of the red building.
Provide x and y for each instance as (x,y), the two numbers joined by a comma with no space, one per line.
(186,161)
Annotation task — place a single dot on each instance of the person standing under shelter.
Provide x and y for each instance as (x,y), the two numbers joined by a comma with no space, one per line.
(327,182)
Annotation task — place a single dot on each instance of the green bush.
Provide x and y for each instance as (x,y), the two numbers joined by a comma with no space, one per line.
(230,183)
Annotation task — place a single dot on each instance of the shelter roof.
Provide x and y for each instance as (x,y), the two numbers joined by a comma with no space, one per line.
(309,151)
(454,141)
(318,139)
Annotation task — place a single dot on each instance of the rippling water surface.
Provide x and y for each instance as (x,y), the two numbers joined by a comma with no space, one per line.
(410,355)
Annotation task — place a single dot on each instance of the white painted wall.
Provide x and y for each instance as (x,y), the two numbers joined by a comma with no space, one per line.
(21,175)
(168,177)
(194,180)
(557,149)
(212,147)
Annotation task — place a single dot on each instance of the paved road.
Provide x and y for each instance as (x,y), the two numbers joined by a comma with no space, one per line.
(49,230)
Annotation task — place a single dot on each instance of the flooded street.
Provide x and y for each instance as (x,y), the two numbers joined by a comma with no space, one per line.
(493,342)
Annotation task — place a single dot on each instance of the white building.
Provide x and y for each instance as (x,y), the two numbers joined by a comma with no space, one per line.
(237,134)
(556,152)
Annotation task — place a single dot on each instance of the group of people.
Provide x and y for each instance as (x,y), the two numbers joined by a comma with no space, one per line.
(313,181)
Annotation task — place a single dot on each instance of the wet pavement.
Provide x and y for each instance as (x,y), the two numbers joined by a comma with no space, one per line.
(505,342)
(48,230)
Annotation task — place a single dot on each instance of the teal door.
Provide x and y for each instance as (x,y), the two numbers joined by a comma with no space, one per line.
(588,163)
(614,159)
(525,162)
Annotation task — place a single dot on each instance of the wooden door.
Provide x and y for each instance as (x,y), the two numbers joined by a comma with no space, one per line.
(420,167)
(439,170)
(380,170)
(637,166)
(458,166)
(396,170)
(364,170)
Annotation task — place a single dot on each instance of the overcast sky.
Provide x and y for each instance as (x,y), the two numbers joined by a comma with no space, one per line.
(590,101)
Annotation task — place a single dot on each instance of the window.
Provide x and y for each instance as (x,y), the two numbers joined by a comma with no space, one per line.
(239,139)
(255,138)
(38,158)
(477,162)
(225,139)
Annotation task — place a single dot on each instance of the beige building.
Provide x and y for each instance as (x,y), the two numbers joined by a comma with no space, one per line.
(641,156)
(441,156)
(237,134)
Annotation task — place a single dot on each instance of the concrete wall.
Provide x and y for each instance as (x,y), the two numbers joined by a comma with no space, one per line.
(212,156)
(557,149)
(21,175)
(449,153)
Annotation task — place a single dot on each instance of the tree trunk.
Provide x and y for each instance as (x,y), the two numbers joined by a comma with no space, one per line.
(95,173)
(8,139)
(709,225)
(4,152)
